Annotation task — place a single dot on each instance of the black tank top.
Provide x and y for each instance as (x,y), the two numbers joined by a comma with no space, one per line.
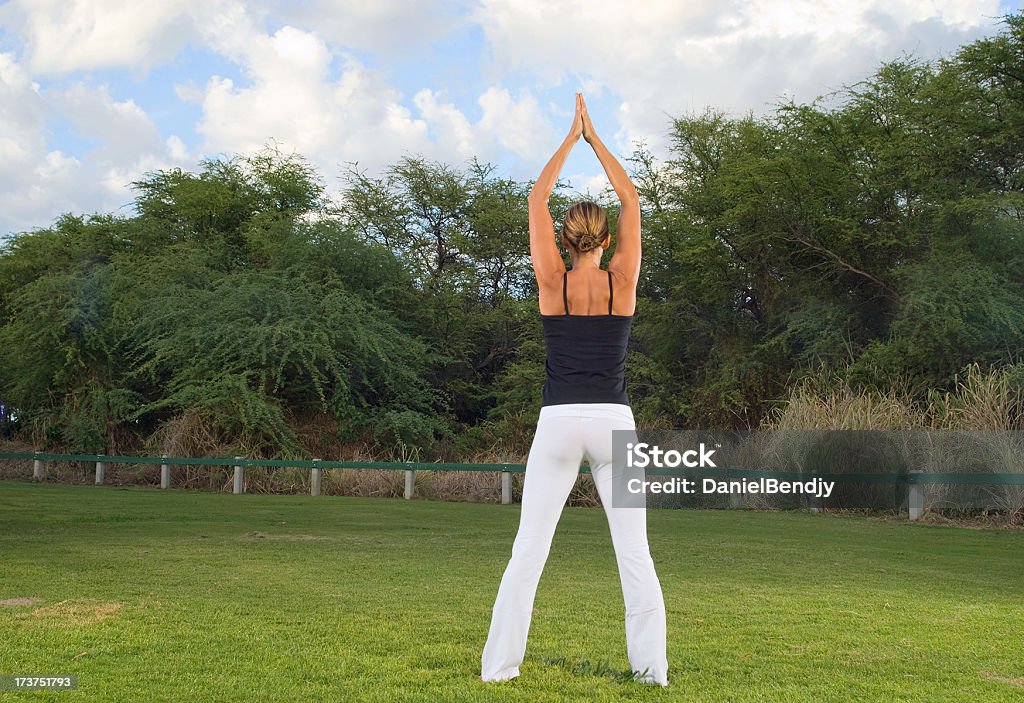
(586,355)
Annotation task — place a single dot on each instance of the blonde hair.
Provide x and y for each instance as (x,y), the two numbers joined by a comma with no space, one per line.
(586,226)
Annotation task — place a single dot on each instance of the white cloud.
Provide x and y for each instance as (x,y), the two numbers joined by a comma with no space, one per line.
(38,182)
(76,35)
(22,113)
(128,142)
(515,124)
(31,177)
(188,92)
(518,125)
(177,149)
(736,55)
(121,128)
(387,26)
(291,98)
(452,131)
(584,183)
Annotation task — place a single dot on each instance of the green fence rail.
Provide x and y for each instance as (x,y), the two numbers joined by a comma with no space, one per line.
(911,478)
(278,463)
(726,473)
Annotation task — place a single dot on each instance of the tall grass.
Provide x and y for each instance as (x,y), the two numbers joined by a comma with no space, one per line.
(981,400)
(984,407)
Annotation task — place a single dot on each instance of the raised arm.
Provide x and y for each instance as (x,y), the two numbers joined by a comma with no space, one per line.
(547,261)
(626,260)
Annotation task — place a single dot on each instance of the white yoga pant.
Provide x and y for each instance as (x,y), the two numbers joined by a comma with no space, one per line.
(565,435)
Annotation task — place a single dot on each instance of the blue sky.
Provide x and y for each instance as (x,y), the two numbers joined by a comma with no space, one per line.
(95,93)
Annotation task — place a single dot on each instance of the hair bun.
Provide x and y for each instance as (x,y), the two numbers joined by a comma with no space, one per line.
(587,242)
(586,226)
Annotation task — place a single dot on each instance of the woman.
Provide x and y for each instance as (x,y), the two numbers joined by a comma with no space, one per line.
(587,314)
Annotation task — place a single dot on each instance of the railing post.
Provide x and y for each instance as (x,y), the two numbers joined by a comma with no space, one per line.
(38,470)
(506,488)
(410,483)
(239,477)
(100,468)
(315,479)
(735,500)
(915,498)
(165,473)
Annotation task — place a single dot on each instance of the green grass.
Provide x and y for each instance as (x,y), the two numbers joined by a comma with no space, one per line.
(174,596)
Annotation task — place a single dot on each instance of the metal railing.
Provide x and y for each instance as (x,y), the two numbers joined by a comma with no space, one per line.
(914,480)
(317,466)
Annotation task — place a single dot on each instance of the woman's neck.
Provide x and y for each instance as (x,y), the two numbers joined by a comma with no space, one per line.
(585,262)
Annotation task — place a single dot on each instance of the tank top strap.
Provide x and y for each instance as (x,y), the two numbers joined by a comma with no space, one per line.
(565,297)
(611,293)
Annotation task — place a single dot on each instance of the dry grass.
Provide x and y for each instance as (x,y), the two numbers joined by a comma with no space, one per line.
(478,486)
(812,408)
(256,534)
(986,401)
(74,613)
(16,469)
(1012,680)
(981,401)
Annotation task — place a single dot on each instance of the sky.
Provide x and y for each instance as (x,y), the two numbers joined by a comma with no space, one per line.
(94,94)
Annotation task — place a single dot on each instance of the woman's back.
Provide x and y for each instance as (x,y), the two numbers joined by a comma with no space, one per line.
(587,291)
(586,353)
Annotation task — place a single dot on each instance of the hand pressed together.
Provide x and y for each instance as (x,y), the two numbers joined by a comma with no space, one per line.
(581,124)
(576,131)
(588,126)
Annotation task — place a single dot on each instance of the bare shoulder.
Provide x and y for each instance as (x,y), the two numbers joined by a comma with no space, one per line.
(550,294)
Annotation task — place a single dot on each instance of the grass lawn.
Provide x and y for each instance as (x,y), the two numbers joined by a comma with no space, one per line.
(152,595)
